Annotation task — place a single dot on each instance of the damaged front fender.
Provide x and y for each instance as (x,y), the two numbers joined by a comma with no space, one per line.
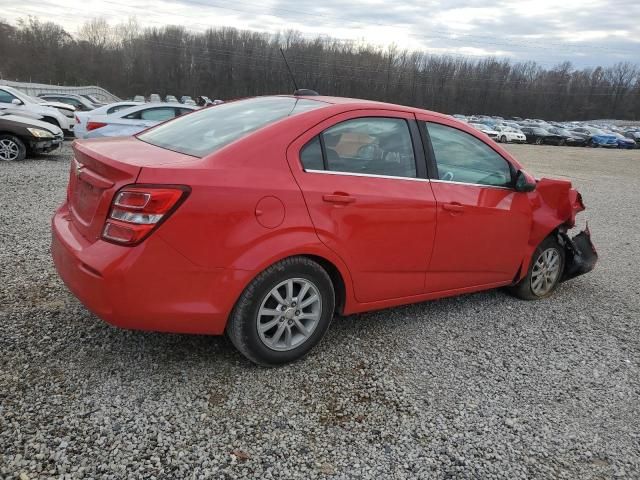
(555,205)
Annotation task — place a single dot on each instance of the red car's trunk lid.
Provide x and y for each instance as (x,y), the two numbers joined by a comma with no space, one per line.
(99,169)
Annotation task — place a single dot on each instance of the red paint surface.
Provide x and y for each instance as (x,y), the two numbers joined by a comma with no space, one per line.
(394,241)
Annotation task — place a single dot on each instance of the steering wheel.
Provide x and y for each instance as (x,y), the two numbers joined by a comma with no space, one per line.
(368,151)
(448,176)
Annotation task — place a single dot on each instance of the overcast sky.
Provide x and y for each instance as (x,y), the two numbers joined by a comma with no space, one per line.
(585,32)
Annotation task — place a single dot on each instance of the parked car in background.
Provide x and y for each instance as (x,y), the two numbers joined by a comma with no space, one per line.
(130,121)
(80,103)
(568,138)
(598,138)
(155,98)
(509,134)
(265,217)
(539,136)
(21,136)
(485,129)
(623,142)
(633,135)
(15,101)
(139,98)
(171,99)
(93,99)
(187,100)
(81,118)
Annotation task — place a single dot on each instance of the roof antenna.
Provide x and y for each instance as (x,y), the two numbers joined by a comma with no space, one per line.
(293,79)
(298,91)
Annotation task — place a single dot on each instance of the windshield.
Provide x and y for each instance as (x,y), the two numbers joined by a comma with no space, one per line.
(210,129)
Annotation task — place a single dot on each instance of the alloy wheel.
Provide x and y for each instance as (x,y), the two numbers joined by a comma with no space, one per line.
(545,272)
(9,150)
(289,314)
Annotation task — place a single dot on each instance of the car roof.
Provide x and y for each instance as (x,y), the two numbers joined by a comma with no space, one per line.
(362,103)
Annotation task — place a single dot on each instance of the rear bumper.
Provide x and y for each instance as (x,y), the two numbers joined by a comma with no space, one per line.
(148,287)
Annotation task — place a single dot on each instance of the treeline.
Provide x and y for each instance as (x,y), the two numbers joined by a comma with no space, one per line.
(229,63)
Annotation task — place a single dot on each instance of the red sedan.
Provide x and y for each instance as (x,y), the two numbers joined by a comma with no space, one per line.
(264,217)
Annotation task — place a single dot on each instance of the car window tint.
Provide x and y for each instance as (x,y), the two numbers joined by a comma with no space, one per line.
(6,97)
(461,157)
(118,107)
(158,114)
(311,155)
(207,130)
(371,145)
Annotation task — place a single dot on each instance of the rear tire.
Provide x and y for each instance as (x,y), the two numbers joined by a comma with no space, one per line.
(283,313)
(545,272)
(503,139)
(12,149)
(538,141)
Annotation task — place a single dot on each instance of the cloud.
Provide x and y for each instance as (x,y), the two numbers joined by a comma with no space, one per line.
(585,32)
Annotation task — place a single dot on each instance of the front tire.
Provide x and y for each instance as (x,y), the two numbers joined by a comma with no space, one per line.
(283,313)
(545,272)
(12,148)
(503,139)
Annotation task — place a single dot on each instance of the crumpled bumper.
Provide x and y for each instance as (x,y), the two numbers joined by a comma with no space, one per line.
(581,256)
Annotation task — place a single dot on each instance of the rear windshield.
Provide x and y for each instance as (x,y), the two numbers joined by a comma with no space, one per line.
(207,130)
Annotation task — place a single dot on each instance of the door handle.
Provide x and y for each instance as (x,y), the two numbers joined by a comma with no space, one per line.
(342,199)
(453,207)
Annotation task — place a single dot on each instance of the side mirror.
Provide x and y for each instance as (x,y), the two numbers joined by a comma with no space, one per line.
(524,183)
(15,101)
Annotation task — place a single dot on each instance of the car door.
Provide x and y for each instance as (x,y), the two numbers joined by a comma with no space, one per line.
(363,178)
(483,223)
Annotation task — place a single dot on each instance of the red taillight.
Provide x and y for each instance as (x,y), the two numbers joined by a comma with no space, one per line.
(137,210)
(95,125)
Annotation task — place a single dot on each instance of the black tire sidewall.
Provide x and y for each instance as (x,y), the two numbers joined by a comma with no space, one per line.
(243,327)
(22,148)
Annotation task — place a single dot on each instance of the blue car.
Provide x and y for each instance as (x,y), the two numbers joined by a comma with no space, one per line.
(624,142)
(598,138)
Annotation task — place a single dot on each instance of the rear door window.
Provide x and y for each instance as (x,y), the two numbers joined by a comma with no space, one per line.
(369,146)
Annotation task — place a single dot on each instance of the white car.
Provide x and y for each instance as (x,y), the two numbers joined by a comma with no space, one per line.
(17,102)
(486,130)
(510,134)
(130,121)
(81,118)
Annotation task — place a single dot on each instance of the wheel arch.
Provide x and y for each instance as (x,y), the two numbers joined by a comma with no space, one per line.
(330,262)
(336,278)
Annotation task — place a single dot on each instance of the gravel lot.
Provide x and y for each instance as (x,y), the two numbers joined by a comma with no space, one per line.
(481,386)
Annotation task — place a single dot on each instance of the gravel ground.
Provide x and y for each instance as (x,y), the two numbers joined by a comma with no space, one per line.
(481,386)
